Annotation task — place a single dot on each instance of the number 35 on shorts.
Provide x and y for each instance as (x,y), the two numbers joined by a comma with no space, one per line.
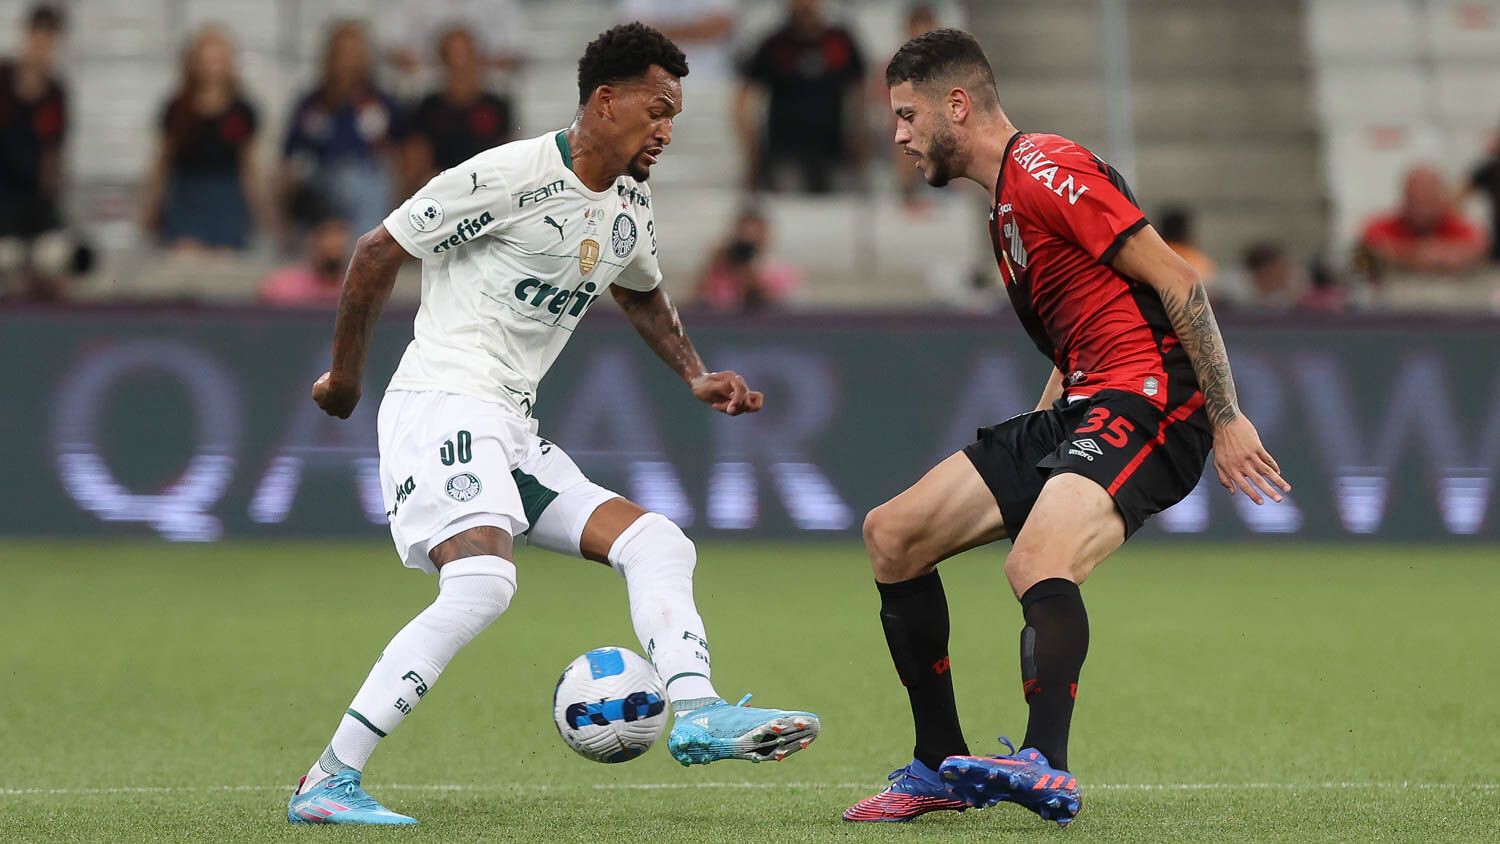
(1114,431)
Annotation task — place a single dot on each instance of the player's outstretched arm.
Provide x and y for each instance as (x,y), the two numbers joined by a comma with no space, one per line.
(1239,457)
(655,318)
(367,286)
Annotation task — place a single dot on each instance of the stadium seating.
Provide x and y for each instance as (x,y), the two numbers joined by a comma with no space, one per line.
(1247,164)
(1400,82)
(1331,99)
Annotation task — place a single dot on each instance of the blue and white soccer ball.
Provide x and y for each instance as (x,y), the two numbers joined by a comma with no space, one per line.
(610,705)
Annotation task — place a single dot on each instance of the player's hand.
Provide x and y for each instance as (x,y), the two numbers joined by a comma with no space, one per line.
(1243,463)
(337,398)
(727,392)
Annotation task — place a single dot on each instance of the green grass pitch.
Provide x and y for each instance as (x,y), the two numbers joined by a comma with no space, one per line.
(1250,692)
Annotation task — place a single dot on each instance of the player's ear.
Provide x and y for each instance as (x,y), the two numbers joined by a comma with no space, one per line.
(604,101)
(959,105)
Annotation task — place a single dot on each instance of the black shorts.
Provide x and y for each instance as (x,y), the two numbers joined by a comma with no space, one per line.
(1146,460)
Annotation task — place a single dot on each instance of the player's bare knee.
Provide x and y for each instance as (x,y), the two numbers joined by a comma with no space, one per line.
(894,549)
(1028,565)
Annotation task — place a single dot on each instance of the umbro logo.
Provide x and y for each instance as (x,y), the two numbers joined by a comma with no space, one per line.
(1090,446)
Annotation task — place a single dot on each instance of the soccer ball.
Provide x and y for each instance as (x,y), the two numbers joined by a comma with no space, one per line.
(610,705)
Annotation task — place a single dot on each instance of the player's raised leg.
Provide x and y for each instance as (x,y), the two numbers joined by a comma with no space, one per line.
(1073,526)
(657,561)
(951,509)
(476,581)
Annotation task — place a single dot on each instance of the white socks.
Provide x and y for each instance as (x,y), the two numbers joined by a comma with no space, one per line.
(472,592)
(657,561)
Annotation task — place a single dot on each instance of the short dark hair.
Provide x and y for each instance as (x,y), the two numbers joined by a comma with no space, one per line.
(45,17)
(626,52)
(941,55)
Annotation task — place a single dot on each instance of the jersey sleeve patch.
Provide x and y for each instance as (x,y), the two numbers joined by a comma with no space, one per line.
(455,208)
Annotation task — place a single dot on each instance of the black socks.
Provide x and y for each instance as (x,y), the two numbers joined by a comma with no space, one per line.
(1053,646)
(914,614)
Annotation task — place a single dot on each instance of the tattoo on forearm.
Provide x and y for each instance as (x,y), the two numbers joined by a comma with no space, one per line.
(1193,320)
(372,273)
(656,320)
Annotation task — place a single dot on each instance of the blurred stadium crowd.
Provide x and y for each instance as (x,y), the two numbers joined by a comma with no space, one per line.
(230,151)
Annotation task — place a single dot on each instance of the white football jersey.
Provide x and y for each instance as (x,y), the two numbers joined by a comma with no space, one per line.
(515,249)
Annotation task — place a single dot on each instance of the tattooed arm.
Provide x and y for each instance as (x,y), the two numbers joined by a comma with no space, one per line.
(655,319)
(1240,459)
(367,286)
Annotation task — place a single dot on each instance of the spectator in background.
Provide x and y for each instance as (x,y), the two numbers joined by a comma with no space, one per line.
(704,29)
(740,276)
(408,31)
(1274,281)
(920,19)
(318,278)
(1486,182)
(1326,294)
(342,138)
(1178,229)
(809,72)
(33,124)
(1426,234)
(203,189)
(461,120)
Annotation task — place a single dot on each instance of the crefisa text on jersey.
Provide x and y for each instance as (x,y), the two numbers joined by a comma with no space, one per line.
(466,228)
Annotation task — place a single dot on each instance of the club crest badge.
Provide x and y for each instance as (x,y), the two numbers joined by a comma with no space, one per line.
(463,486)
(622,235)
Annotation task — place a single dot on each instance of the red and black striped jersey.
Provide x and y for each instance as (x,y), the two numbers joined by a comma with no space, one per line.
(1061,215)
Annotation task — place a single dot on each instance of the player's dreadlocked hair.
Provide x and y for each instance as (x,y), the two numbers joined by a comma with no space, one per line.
(944,56)
(626,52)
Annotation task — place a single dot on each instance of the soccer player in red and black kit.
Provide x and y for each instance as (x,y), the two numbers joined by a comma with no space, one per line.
(1140,393)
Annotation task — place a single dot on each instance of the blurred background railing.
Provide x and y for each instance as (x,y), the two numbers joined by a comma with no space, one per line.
(1307,155)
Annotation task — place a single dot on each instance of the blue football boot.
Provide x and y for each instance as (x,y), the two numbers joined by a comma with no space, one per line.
(339,799)
(1023,777)
(720,731)
(914,790)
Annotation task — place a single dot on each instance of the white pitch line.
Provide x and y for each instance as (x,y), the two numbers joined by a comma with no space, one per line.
(664,786)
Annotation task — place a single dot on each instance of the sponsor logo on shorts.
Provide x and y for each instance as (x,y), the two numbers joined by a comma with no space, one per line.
(425,214)
(403,491)
(463,486)
(1086,449)
(622,235)
(1150,387)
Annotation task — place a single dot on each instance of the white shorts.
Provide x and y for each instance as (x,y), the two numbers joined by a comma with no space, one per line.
(449,463)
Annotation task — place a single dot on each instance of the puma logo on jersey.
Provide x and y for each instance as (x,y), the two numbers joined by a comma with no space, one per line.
(477,185)
(537,293)
(466,230)
(556,225)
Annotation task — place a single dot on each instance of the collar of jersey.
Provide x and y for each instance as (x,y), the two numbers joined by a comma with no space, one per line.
(566,153)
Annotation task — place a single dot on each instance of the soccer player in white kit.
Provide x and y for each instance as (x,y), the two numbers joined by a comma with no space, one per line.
(517,243)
